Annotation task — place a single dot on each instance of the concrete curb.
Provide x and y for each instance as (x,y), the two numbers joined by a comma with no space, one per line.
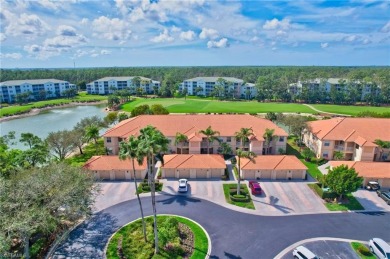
(302,242)
(204,230)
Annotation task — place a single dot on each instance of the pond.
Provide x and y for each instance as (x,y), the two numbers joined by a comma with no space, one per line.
(49,121)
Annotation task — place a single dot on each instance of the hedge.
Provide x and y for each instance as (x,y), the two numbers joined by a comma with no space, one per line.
(323,194)
(243,197)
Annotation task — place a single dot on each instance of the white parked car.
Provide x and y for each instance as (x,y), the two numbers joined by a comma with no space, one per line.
(380,248)
(183,185)
(302,252)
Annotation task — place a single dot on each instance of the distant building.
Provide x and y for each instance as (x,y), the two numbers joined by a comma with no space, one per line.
(39,89)
(108,85)
(332,83)
(205,86)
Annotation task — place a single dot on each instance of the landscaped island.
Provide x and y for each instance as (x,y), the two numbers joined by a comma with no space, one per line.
(178,238)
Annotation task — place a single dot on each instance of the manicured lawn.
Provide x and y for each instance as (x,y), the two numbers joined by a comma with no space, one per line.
(134,246)
(293,149)
(362,251)
(88,151)
(349,110)
(17,109)
(179,105)
(226,191)
(352,205)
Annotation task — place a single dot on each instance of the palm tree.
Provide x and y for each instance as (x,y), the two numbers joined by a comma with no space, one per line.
(383,145)
(180,138)
(211,136)
(268,136)
(92,132)
(225,149)
(243,135)
(338,155)
(130,150)
(243,154)
(153,143)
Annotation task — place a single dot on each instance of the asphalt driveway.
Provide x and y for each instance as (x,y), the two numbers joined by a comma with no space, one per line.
(233,234)
(370,200)
(287,197)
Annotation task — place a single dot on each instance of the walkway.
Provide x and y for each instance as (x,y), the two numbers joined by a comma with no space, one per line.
(331,113)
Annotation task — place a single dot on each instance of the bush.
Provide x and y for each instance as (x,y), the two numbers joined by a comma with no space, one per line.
(323,194)
(243,197)
(364,250)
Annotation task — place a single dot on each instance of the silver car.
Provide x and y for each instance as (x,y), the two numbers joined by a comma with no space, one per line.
(302,252)
(380,248)
(183,185)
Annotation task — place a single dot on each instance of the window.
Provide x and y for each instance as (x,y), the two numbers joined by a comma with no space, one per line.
(228,139)
(357,146)
(108,140)
(326,144)
(325,155)
(281,139)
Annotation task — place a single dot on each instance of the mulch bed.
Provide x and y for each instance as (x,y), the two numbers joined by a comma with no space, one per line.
(186,240)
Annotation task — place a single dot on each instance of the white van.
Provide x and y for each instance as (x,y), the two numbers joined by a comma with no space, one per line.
(380,248)
(302,252)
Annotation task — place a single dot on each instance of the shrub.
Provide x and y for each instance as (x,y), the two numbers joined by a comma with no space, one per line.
(364,250)
(323,194)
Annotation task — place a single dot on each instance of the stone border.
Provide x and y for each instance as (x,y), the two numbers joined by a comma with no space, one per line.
(204,230)
(302,242)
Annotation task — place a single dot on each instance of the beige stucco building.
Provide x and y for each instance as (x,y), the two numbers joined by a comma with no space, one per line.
(193,166)
(370,171)
(112,168)
(278,167)
(191,125)
(354,137)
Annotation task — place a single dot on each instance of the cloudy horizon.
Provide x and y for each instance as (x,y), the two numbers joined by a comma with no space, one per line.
(61,34)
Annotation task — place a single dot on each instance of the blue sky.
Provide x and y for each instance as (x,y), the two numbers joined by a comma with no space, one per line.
(104,33)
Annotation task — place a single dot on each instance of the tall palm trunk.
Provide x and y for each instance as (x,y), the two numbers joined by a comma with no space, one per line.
(153,195)
(140,204)
(239,176)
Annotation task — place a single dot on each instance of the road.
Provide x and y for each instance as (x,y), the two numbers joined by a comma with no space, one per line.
(233,234)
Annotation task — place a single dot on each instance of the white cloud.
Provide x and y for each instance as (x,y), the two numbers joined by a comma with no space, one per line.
(11,55)
(2,37)
(163,37)
(84,21)
(209,34)
(175,29)
(187,35)
(65,30)
(386,27)
(351,38)
(111,29)
(324,45)
(29,25)
(281,33)
(275,24)
(222,43)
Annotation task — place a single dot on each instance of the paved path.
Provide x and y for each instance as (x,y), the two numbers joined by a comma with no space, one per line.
(233,234)
(311,107)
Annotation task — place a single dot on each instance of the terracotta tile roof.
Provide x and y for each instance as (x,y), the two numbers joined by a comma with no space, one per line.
(104,163)
(277,162)
(196,161)
(367,169)
(169,125)
(363,131)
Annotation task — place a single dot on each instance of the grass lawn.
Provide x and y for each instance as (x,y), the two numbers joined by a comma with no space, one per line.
(143,187)
(362,251)
(88,151)
(200,105)
(293,149)
(17,109)
(350,110)
(352,205)
(133,245)
(226,191)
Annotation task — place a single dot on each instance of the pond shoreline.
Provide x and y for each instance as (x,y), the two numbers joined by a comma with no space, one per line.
(36,111)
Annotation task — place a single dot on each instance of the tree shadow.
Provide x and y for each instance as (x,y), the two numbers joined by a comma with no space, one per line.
(371,213)
(232,256)
(273,202)
(89,238)
(181,199)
